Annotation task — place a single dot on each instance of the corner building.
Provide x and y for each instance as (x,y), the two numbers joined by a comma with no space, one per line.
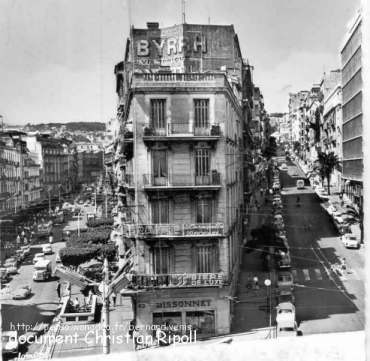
(180,102)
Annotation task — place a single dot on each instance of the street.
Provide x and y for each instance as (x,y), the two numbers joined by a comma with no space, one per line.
(23,315)
(325,302)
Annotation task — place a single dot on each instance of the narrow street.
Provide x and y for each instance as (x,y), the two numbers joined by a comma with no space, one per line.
(324,301)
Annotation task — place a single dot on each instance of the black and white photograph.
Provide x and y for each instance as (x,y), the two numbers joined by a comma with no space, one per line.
(184,180)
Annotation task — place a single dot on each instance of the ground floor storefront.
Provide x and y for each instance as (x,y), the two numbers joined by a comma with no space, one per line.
(183,311)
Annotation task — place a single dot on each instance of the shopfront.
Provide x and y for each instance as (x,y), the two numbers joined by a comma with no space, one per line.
(204,310)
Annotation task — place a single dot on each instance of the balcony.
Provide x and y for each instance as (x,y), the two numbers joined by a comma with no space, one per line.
(196,230)
(183,182)
(179,280)
(182,131)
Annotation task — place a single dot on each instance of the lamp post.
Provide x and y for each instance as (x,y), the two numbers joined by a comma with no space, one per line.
(106,345)
(268,293)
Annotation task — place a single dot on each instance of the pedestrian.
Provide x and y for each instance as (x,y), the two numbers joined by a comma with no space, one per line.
(135,336)
(18,240)
(114,298)
(68,288)
(58,290)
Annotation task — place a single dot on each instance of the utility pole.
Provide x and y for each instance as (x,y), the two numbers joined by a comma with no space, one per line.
(106,345)
(106,201)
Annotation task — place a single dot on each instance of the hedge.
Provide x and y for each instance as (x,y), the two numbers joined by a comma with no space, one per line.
(100,222)
(93,236)
(74,256)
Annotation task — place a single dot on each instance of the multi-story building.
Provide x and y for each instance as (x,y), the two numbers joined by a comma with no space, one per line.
(351,58)
(90,165)
(49,153)
(182,173)
(19,175)
(331,128)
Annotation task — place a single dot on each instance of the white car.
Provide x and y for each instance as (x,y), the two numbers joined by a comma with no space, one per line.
(350,241)
(46,249)
(331,209)
(285,311)
(38,257)
(22,293)
(9,342)
(284,167)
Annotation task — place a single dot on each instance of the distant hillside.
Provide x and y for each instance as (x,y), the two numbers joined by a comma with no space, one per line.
(69,127)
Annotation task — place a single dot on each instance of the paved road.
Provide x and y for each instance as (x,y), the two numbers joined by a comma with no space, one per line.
(324,301)
(40,307)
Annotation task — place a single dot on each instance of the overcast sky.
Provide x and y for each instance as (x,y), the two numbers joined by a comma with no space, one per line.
(57,56)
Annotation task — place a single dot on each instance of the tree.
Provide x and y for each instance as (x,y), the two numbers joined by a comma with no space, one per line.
(355,216)
(325,164)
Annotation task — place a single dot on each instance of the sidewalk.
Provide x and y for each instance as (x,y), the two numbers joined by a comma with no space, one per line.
(87,338)
(251,309)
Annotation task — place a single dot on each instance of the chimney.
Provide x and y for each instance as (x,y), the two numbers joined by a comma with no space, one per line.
(152,25)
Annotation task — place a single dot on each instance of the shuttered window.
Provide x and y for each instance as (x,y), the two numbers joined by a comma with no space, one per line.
(160,211)
(201,111)
(207,259)
(163,260)
(202,162)
(158,113)
(159,163)
(204,211)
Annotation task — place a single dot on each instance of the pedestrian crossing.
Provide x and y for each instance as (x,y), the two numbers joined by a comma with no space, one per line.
(308,274)
(317,274)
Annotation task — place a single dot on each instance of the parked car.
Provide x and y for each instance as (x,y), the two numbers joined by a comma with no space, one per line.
(285,295)
(283,330)
(4,275)
(284,167)
(26,250)
(285,279)
(331,209)
(37,257)
(9,342)
(285,311)
(22,292)
(350,241)
(47,249)
(300,184)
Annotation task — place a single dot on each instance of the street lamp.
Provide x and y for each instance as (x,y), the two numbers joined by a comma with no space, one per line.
(268,293)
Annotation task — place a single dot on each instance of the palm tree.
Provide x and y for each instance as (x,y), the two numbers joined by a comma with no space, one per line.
(325,164)
(355,216)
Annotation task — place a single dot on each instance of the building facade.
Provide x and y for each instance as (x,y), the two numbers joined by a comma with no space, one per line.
(331,129)
(351,58)
(181,177)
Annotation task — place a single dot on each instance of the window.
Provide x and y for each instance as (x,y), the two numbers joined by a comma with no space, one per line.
(160,213)
(202,162)
(163,260)
(204,211)
(159,163)
(158,113)
(201,113)
(203,322)
(168,319)
(206,258)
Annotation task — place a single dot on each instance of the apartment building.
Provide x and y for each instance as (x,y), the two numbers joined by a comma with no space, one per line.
(351,59)
(182,174)
(331,128)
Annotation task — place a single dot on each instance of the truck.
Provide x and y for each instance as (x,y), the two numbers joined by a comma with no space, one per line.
(42,270)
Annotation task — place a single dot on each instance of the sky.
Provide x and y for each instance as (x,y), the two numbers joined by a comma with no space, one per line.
(57,56)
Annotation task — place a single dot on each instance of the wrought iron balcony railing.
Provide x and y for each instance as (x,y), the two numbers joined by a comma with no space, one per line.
(179,280)
(182,180)
(183,129)
(174,230)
